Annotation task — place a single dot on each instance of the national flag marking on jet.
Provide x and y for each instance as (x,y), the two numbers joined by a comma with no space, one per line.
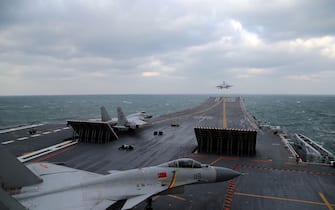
(162,174)
(43,165)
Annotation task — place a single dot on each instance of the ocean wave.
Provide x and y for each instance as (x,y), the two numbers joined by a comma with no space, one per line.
(127,102)
(327,114)
(324,130)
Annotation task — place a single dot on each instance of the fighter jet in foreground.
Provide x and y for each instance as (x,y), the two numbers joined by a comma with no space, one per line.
(224,85)
(59,187)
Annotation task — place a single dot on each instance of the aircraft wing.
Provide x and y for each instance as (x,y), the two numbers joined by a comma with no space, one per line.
(62,178)
(136,120)
(43,169)
(52,175)
(139,122)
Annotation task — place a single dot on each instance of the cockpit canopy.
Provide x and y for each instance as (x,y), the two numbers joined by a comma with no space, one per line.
(183,163)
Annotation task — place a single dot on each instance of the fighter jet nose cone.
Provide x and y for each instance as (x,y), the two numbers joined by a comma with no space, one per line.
(224,174)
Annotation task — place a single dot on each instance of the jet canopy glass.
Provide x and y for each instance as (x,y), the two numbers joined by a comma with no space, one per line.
(183,163)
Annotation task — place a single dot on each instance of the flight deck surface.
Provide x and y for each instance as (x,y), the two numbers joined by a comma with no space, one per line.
(271,180)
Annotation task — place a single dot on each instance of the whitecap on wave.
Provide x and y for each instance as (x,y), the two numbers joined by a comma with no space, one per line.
(127,102)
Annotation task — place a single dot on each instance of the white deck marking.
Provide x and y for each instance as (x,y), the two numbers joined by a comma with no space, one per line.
(19,128)
(32,136)
(7,142)
(42,152)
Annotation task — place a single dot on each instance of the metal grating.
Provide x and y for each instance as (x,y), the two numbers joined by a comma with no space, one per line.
(93,132)
(226,141)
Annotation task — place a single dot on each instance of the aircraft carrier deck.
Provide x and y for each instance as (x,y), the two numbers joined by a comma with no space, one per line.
(272,178)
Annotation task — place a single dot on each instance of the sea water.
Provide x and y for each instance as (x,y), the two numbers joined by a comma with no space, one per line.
(313,116)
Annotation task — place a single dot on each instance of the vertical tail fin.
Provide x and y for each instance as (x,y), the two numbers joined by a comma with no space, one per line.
(13,173)
(104,115)
(122,120)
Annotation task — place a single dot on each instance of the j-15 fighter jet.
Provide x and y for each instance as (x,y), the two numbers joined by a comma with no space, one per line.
(60,187)
(224,85)
(121,123)
(124,122)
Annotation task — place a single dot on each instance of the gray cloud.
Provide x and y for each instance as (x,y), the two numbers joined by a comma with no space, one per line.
(130,46)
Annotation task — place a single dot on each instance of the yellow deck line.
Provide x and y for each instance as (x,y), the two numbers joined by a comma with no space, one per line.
(215,161)
(224,113)
(329,206)
(262,161)
(171,196)
(177,197)
(188,115)
(283,199)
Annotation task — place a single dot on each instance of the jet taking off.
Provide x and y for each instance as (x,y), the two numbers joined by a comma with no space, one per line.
(60,187)
(224,85)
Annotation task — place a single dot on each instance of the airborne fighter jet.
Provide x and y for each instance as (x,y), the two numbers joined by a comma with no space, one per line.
(60,187)
(224,85)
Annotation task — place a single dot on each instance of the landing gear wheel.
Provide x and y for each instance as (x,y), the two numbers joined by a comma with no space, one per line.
(149,204)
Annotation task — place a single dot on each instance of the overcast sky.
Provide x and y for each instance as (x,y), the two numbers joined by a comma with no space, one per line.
(166,47)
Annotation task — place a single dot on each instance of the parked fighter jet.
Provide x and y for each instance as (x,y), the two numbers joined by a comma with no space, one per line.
(224,85)
(59,187)
(132,121)
(121,123)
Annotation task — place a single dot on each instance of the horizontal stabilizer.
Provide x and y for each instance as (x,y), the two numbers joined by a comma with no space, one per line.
(16,174)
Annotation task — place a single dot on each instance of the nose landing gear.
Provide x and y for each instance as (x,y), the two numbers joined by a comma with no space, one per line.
(149,204)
